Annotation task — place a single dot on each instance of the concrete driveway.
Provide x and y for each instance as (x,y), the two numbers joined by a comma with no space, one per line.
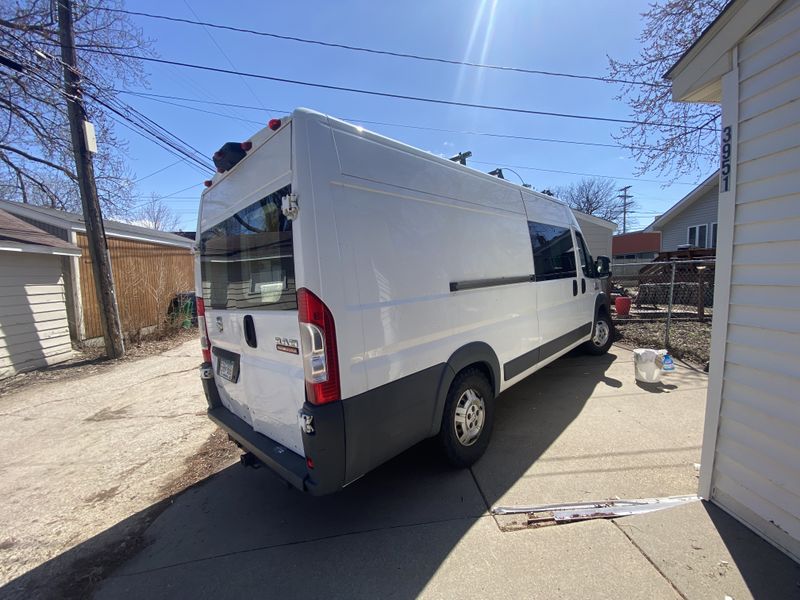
(580,429)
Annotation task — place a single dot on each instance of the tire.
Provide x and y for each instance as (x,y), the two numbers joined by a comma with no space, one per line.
(468,418)
(602,335)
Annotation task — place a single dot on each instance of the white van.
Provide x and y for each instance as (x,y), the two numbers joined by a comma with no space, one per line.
(358,295)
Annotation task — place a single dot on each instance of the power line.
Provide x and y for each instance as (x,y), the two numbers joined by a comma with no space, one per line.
(389,94)
(222,51)
(418,57)
(153,134)
(160,98)
(529,168)
(150,128)
(158,171)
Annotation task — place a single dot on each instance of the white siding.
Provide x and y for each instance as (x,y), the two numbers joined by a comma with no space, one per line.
(756,473)
(597,237)
(33,318)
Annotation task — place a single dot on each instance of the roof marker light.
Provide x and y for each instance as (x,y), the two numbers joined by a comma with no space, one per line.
(208,183)
(247,146)
(274,124)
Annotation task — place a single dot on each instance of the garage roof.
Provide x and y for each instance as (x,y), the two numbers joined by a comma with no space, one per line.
(18,236)
(74,222)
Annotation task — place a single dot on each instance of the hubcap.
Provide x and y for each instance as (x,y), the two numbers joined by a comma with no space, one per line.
(601,333)
(469,417)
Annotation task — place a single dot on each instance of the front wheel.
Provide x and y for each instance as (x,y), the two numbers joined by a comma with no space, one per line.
(468,418)
(602,335)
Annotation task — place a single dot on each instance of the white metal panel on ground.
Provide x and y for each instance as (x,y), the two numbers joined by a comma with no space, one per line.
(33,319)
(757,460)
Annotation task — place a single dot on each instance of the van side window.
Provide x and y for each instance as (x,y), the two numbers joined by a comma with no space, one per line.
(585,257)
(247,261)
(553,252)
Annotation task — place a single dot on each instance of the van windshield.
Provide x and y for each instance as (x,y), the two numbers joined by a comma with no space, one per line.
(247,260)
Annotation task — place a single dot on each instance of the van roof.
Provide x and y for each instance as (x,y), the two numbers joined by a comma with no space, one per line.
(302,113)
(307,113)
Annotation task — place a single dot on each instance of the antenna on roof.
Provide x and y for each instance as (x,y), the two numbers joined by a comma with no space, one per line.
(461,157)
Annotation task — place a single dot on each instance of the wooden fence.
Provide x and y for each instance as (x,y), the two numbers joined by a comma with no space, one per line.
(146,277)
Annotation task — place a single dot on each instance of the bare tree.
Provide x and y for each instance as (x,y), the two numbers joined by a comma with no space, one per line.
(155,214)
(36,161)
(594,196)
(673,138)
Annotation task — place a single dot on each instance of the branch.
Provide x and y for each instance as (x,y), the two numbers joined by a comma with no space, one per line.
(41,185)
(24,27)
(52,165)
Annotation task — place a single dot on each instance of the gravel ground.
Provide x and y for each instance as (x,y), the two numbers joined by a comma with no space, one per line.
(91,455)
(91,360)
(689,340)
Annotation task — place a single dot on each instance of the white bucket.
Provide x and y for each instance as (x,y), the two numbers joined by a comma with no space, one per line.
(647,364)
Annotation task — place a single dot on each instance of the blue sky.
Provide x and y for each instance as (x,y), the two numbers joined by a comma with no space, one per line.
(572,37)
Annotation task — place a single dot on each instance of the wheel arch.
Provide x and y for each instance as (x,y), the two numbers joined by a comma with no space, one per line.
(601,306)
(474,354)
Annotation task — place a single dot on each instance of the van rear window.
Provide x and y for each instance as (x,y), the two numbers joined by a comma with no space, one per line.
(247,260)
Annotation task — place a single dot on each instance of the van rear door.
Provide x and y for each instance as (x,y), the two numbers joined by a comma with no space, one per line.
(248,280)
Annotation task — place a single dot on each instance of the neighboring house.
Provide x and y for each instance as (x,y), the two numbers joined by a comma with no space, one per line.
(749,60)
(149,268)
(597,233)
(637,245)
(692,222)
(33,314)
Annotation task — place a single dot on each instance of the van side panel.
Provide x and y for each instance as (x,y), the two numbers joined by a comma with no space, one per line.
(407,241)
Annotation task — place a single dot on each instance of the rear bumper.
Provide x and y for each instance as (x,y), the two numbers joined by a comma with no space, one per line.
(325,446)
(284,462)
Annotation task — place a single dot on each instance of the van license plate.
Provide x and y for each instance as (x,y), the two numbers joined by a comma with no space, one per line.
(225,369)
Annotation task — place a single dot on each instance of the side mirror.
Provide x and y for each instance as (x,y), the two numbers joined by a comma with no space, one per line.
(602,266)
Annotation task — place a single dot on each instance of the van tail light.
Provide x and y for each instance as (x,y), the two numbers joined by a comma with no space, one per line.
(205,342)
(318,345)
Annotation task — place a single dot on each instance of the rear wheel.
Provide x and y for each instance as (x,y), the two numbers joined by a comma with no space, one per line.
(602,335)
(468,418)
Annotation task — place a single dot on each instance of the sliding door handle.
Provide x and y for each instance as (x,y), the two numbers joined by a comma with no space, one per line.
(583,286)
(574,287)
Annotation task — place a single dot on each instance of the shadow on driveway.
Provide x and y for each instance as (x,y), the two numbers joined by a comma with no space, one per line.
(243,533)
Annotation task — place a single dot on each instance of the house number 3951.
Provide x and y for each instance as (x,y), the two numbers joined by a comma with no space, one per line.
(725,167)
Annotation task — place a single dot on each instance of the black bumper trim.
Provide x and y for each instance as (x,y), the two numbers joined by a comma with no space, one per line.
(287,464)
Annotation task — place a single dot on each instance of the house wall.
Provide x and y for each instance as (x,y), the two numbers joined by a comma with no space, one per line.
(33,316)
(702,211)
(753,424)
(597,237)
(146,277)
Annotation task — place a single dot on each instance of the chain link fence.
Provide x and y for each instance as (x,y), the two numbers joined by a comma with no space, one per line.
(674,298)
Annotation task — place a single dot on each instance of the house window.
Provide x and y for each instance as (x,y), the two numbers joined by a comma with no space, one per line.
(698,236)
(713,243)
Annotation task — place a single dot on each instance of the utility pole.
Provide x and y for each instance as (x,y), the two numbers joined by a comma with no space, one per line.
(92,216)
(625,197)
